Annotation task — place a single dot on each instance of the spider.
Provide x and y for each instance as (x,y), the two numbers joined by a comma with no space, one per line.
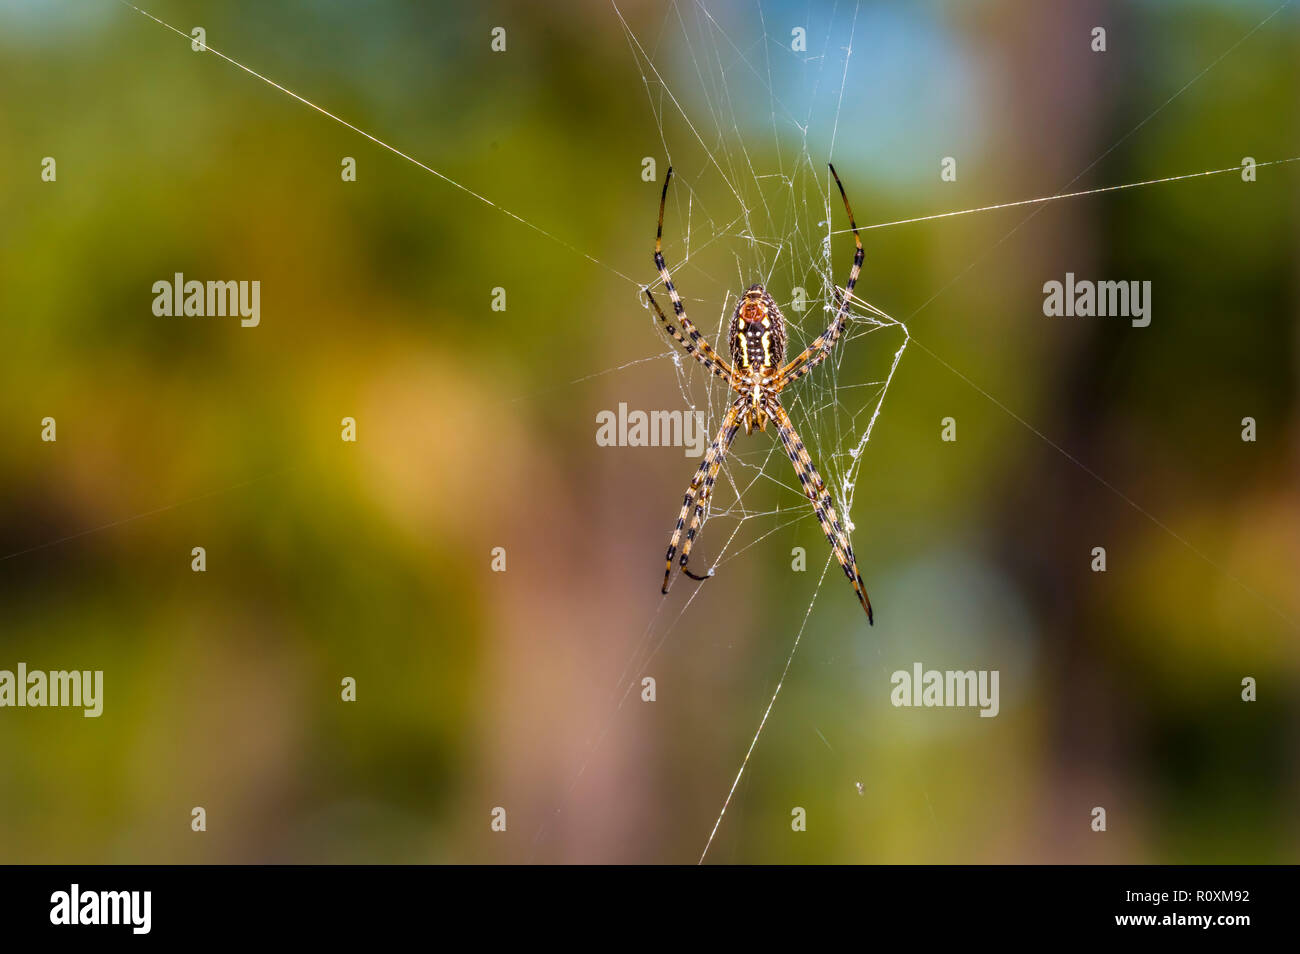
(756,373)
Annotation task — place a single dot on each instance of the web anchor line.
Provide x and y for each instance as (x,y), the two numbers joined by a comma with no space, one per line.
(753,743)
(1068,195)
(393,149)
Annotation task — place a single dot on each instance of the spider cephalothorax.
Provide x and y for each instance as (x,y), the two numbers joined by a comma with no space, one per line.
(758,375)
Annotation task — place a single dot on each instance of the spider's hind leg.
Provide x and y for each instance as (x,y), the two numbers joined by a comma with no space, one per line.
(699,490)
(823,506)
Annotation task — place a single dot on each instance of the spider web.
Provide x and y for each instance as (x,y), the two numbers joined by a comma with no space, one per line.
(751,204)
(836,407)
(752,200)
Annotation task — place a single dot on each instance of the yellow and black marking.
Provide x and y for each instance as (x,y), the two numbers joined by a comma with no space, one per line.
(757,332)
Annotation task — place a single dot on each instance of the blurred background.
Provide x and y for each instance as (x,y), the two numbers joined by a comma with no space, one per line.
(476,430)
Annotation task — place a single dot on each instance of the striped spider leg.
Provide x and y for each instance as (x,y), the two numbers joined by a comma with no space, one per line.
(817,352)
(757,340)
(698,347)
(701,486)
(823,505)
(699,491)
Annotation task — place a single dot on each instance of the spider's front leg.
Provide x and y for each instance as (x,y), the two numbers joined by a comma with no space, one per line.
(698,492)
(816,352)
(697,346)
(823,505)
(701,350)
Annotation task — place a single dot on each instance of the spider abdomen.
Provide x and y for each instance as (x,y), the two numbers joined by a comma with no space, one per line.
(757,332)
